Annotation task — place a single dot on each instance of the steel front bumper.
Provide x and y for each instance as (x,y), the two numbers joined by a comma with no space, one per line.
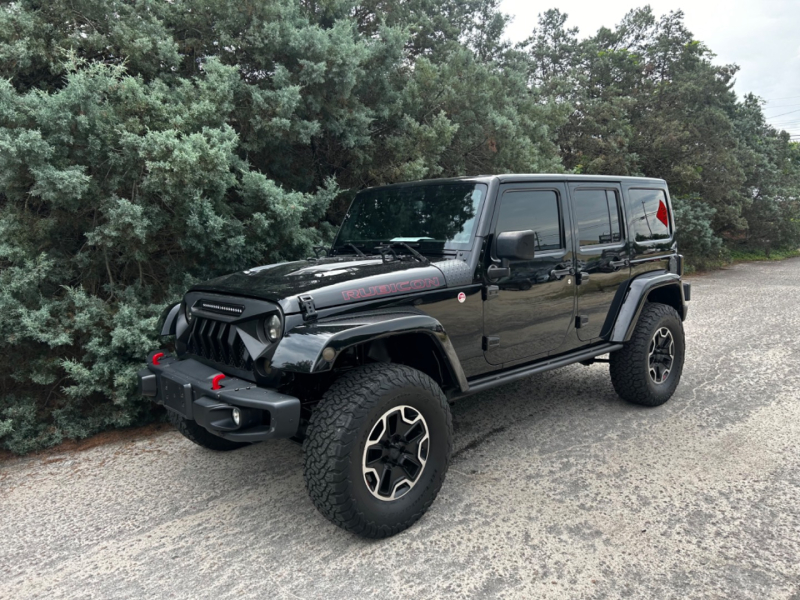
(185,387)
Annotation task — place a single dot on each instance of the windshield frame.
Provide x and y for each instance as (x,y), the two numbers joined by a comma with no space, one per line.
(338,245)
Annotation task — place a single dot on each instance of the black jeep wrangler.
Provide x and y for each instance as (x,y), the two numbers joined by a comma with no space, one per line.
(431,291)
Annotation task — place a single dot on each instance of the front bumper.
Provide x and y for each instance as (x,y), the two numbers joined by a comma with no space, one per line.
(185,387)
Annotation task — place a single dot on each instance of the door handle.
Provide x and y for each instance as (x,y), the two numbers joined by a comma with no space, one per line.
(617,264)
(582,276)
(559,273)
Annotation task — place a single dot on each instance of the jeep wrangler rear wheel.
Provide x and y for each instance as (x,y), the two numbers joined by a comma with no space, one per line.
(648,368)
(200,436)
(377,449)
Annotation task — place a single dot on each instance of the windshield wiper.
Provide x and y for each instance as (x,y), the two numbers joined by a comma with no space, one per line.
(354,247)
(389,247)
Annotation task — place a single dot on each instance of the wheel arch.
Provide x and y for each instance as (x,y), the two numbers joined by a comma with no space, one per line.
(403,338)
(420,350)
(660,287)
(671,295)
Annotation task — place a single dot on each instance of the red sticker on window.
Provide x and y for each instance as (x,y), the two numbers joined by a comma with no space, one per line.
(661,215)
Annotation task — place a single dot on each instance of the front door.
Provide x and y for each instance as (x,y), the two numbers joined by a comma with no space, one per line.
(529,313)
(603,257)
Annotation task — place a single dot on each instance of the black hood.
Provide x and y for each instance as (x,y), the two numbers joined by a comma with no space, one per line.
(331,281)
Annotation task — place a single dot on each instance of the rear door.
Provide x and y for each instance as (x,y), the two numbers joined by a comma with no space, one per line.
(530,312)
(603,258)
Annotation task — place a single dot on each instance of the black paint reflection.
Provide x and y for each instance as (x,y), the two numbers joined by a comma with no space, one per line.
(533,310)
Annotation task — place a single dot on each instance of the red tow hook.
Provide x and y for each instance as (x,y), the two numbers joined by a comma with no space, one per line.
(157,357)
(215,381)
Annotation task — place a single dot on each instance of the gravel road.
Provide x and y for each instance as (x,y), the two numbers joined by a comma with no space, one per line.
(558,489)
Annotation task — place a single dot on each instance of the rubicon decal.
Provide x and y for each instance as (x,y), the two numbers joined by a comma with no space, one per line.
(391,288)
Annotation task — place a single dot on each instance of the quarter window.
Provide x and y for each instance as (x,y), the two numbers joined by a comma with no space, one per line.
(597,212)
(536,210)
(649,215)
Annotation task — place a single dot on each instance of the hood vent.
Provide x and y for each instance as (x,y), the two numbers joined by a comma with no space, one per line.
(221,308)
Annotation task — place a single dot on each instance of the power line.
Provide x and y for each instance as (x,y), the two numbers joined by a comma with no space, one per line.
(789,120)
(782,106)
(787,113)
(786,127)
(784,98)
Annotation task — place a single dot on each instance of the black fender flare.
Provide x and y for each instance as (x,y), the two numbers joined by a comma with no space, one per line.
(169,317)
(635,298)
(301,349)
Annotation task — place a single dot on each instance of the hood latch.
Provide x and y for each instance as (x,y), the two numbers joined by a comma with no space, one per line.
(307,308)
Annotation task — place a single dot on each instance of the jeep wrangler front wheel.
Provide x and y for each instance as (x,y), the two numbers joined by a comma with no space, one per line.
(377,449)
(648,368)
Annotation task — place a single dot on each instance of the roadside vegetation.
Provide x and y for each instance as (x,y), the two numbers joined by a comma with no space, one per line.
(145,145)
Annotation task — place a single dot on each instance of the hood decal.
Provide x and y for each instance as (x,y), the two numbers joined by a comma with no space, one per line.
(332,281)
(400,287)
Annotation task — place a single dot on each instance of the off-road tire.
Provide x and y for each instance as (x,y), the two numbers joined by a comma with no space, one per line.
(338,431)
(200,436)
(630,366)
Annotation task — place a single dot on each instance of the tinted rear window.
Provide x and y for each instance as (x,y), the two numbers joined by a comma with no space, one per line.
(597,212)
(649,215)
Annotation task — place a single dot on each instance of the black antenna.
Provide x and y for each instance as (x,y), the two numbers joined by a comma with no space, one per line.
(646,220)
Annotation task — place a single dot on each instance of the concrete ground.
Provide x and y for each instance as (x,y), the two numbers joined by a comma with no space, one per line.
(557,489)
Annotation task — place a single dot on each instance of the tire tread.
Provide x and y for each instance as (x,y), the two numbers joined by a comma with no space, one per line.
(628,377)
(331,438)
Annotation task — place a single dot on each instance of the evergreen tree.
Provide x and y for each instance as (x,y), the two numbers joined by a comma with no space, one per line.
(146,145)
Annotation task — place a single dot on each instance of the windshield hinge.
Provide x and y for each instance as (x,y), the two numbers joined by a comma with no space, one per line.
(307,308)
(490,292)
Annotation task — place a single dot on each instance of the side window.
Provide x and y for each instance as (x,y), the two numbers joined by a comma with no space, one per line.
(536,210)
(648,215)
(597,212)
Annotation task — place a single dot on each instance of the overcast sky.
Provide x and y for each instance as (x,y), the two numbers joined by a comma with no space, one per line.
(761,36)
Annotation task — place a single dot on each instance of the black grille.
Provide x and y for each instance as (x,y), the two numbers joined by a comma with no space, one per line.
(218,342)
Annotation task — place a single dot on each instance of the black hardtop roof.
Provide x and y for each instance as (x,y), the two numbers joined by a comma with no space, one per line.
(523,177)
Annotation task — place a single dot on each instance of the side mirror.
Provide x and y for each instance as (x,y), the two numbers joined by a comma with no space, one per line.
(516,245)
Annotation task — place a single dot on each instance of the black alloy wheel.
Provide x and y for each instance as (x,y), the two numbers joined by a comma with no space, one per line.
(661,356)
(395,453)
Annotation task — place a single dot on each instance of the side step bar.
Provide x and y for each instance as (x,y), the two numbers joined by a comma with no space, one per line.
(489,381)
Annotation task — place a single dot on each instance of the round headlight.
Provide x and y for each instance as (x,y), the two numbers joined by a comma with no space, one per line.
(187,313)
(274,328)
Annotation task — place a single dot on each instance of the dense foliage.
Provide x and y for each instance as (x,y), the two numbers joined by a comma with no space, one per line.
(145,145)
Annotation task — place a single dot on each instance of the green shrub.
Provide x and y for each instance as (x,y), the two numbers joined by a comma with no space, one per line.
(773,225)
(147,145)
(117,195)
(696,238)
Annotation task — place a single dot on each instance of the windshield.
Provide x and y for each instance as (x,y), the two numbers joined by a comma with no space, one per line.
(426,216)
